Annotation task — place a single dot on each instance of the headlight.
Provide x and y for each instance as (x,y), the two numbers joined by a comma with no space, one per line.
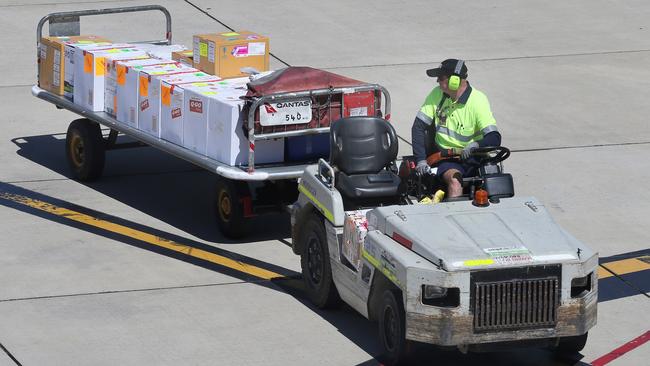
(580,286)
(440,296)
(434,292)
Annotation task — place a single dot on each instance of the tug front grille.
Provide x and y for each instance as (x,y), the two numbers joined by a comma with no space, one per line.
(520,303)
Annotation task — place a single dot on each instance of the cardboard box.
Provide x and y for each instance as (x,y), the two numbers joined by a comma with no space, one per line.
(184,57)
(90,70)
(70,51)
(172,96)
(213,121)
(225,54)
(121,94)
(149,98)
(163,52)
(51,60)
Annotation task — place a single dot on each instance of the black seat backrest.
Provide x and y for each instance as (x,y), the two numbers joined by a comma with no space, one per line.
(361,145)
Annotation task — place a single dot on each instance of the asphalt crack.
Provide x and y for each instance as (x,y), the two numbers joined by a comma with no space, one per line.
(10,355)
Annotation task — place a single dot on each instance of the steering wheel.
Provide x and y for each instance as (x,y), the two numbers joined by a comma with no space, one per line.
(490,154)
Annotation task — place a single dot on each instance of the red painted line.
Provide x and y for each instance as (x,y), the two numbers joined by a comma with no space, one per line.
(620,351)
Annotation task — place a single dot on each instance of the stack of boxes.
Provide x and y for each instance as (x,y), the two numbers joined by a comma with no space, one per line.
(192,100)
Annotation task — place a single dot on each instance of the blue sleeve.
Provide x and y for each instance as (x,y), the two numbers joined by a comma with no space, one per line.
(491,139)
(418,133)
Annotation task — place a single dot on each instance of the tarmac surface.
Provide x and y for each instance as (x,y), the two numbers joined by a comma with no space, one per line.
(83,277)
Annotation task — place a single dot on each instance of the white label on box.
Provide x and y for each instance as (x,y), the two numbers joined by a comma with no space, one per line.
(211,52)
(256,48)
(196,52)
(285,113)
(43,50)
(359,111)
(56,68)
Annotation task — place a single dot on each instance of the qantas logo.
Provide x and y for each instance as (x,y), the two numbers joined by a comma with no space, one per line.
(270,109)
(301,103)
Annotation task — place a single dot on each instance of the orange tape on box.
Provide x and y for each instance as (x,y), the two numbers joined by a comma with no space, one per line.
(121,74)
(88,63)
(144,86)
(99,66)
(166,96)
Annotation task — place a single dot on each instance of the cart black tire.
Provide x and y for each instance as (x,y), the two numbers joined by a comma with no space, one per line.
(228,208)
(395,347)
(85,150)
(315,264)
(571,345)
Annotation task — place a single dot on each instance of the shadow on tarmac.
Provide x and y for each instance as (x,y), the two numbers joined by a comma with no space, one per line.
(175,192)
(156,184)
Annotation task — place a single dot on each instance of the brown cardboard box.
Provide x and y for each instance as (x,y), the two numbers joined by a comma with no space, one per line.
(51,59)
(184,57)
(224,54)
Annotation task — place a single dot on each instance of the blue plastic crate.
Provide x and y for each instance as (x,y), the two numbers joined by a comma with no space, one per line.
(307,148)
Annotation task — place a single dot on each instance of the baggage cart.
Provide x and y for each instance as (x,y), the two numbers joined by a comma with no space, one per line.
(238,196)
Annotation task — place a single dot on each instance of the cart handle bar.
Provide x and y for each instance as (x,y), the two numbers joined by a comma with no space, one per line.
(128,9)
(74,16)
(309,93)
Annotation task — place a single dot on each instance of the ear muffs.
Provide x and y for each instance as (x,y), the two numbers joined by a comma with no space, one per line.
(454,80)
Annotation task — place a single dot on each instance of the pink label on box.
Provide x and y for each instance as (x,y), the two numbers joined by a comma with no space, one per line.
(240,51)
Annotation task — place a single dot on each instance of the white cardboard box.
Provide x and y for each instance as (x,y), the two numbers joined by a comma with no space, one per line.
(122,87)
(69,58)
(149,98)
(172,95)
(213,125)
(90,70)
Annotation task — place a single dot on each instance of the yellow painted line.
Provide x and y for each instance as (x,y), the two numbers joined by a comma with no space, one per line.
(603,273)
(626,266)
(142,236)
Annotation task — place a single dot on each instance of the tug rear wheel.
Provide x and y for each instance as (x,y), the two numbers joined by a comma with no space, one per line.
(315,263)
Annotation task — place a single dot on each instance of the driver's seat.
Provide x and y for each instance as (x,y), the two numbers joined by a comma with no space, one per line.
(361,149)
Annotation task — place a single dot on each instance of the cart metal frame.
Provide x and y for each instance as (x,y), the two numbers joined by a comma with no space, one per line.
(68,24)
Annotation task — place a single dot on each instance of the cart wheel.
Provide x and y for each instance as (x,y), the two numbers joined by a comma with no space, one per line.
(315,264)
(392,328)
(84,149)
(228,207)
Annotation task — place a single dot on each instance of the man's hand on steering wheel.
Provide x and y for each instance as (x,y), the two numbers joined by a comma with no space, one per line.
(490,154)
(467,151)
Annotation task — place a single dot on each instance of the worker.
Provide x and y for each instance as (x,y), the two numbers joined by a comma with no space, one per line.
(454,116)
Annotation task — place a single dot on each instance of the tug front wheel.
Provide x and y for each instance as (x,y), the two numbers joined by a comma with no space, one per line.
(571,345)
(392,329)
